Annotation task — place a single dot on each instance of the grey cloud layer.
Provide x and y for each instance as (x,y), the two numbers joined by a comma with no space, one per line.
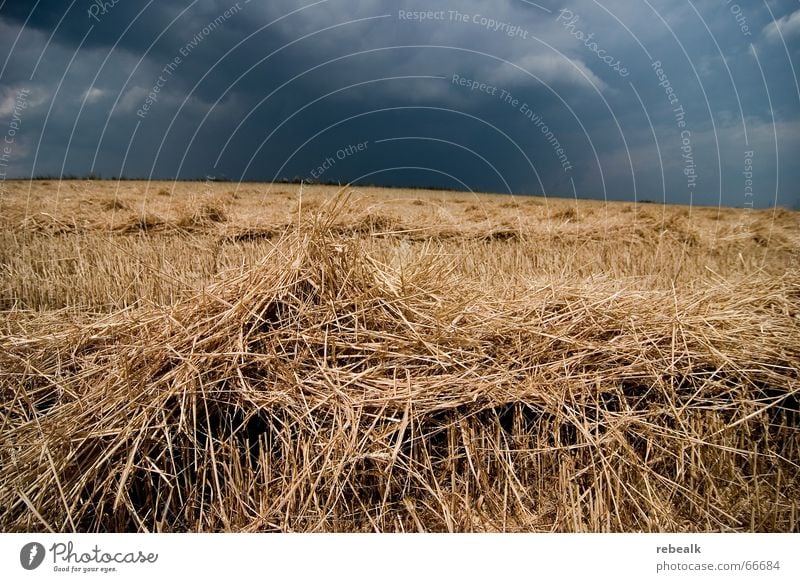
(257,90)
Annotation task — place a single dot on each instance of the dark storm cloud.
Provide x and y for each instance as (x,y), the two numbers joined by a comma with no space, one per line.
(547,97)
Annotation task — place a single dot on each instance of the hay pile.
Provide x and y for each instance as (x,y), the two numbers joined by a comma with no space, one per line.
(327,391)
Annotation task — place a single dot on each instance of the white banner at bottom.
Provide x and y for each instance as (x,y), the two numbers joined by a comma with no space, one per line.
(390,557)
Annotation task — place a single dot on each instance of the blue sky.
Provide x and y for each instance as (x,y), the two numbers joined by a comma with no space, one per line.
(678,101)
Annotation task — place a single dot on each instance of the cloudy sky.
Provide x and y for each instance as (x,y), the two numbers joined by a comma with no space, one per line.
(663,100)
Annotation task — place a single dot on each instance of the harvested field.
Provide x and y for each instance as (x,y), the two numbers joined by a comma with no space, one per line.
(213,357)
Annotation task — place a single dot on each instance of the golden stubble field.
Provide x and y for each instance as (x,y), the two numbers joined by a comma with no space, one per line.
(253,357)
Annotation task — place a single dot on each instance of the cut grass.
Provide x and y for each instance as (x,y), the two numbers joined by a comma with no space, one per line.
(336,380)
